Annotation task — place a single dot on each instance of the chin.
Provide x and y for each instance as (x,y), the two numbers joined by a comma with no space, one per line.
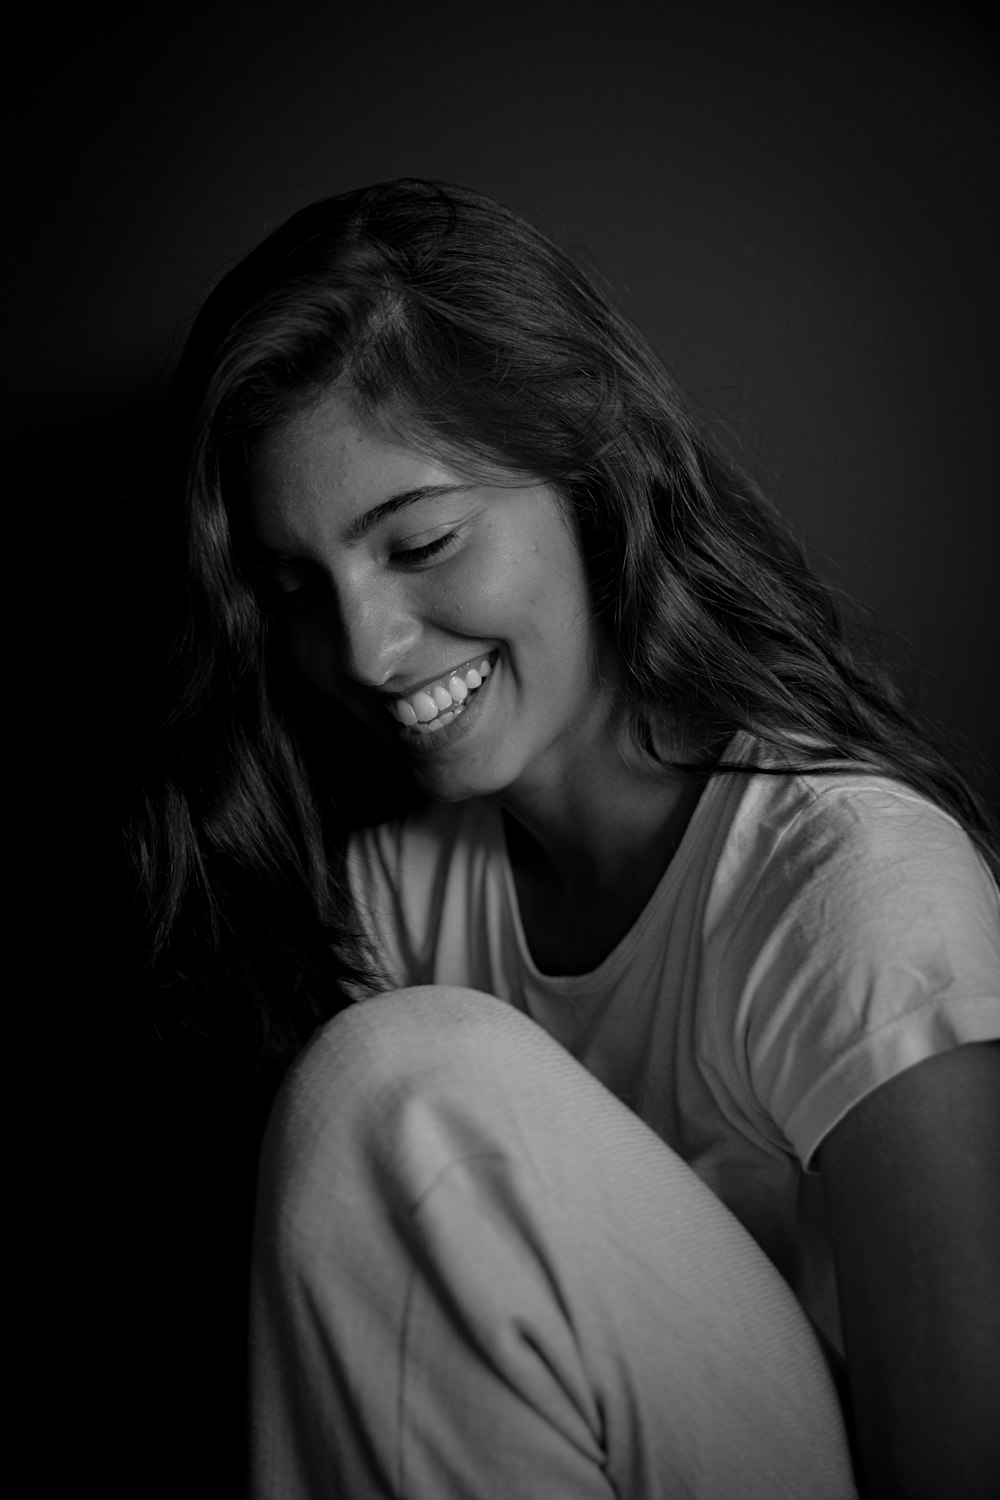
(444,784)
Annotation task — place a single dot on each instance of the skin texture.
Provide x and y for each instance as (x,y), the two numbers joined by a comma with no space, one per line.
(370,615)
(912,1182)
(379,601)
(378,619)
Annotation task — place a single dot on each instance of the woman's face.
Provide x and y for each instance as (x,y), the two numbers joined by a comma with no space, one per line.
(450,612)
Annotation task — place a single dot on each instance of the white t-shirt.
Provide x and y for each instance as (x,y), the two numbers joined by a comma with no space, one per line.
(810,938)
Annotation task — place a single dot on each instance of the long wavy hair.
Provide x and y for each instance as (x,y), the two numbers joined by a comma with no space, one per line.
(487,345)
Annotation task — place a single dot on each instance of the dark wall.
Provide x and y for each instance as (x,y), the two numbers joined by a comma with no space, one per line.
(798,201)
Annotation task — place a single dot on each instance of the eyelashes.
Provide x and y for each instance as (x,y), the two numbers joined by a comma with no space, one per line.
(300,585)
(425,551)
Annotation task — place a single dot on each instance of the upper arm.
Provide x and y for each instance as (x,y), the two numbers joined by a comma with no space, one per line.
(912,1184)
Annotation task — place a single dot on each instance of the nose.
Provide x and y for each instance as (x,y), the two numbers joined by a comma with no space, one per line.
(378,629)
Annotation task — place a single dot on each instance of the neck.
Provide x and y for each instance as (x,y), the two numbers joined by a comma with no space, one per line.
(587,855)
(610,819)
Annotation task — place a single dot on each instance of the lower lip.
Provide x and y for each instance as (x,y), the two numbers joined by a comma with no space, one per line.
(430,742)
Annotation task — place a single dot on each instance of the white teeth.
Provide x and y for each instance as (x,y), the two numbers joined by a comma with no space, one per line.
(424,707)
(437,705)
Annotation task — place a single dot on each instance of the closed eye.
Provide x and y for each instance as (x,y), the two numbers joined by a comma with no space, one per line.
(424,551)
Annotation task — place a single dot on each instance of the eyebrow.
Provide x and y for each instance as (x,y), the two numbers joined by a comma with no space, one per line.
(364,524)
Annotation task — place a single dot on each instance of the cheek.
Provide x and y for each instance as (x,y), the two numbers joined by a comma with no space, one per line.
(476,596)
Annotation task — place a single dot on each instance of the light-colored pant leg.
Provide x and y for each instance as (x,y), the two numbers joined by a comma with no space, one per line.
(479,1276)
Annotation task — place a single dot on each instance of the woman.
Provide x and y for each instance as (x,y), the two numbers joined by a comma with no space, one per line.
(497,680)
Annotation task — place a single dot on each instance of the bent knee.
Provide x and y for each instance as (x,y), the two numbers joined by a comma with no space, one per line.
(385,1095)
(419,1029)
(426,1042)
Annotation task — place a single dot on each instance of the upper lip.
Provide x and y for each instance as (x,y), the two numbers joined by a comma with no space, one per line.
(416,687)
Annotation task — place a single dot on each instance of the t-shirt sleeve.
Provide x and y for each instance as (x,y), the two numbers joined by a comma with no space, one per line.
(372,875)
(398,874)
(869,941)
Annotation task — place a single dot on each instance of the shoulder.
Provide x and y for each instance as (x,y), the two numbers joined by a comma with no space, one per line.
(859,933)
(850,871)
(863,840)
(406,864)
(406,877)
(863,877)
(423,837)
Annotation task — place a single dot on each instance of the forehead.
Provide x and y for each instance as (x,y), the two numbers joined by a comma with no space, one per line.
(325,467)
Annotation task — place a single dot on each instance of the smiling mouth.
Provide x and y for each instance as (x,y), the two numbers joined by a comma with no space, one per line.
(439,704)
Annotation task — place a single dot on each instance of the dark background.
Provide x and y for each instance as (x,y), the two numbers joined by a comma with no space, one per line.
(797,201)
